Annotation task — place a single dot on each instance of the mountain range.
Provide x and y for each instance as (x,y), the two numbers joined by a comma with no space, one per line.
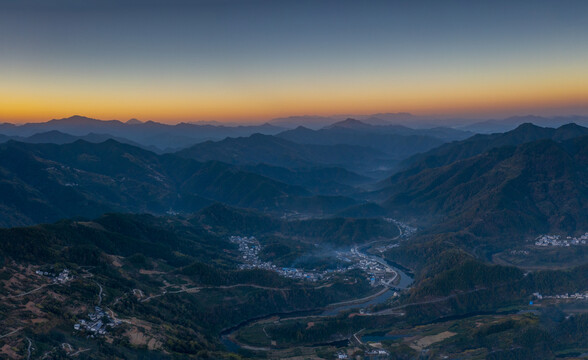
(398,142)
(474,125)
(274,247)
(391,140)
(479,183)
(509,191)
(150,133)
(507,124)
(402,118)
(477,144)
(60,138)
(46,182)
(272,150)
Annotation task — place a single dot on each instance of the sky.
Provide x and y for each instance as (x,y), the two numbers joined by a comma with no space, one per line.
(253,60)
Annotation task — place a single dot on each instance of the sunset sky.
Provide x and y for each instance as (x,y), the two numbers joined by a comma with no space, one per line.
(245,60)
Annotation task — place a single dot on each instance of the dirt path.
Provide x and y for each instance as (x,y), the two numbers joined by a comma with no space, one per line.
(198,288)
(11,333)
(79,352)
(498,259)
(115,318)
(27,293)
(99,293)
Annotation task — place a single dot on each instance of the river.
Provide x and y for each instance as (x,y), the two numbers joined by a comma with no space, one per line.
(404,283)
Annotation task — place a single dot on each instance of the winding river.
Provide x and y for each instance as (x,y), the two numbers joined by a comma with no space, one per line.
(404,282)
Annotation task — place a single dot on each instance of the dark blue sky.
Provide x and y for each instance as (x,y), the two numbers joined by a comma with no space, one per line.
(258,59)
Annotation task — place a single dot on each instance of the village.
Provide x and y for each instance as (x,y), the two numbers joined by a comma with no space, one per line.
(556,240)
(371,354)
(406,230)
(377,271)
(97,324)
(250,247)
(576,296)
(61,278)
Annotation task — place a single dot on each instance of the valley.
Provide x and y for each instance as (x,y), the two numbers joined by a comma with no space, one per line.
(113,251)
(293,180)
(98,309)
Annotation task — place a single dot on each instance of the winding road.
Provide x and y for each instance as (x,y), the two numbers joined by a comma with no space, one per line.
(29,349)
(99,293)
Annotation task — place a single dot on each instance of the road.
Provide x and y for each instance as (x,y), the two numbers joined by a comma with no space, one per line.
(28,292)
(79,352)
(356,338)
(391,311)
(113,316)
(29,349)
(99,293)
(198,288)
(11,333)
(359,301)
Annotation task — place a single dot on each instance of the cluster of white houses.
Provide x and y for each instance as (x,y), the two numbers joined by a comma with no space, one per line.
(377,272)
(97,323)
(250,247)
(61,278)
(556,240)
(406,230)
(576,296)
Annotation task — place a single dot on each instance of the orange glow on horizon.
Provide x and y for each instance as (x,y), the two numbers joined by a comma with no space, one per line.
(198,62)
(477,96)
(24,111)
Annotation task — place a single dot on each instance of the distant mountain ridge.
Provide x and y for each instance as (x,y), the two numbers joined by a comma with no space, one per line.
(440,132)
(477,144)
(272,150)
(59,138)
(318,122)
(397,142)
(350,124)
(510,123)
(426,122)
(47,182)
(149,133)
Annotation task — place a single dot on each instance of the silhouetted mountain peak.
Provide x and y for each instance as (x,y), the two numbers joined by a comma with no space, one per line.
(527,126)
(528,132)
(76,119)
(349,123)
(52,136)
(133,121)
(569,131)
(50,133)
(571,126)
